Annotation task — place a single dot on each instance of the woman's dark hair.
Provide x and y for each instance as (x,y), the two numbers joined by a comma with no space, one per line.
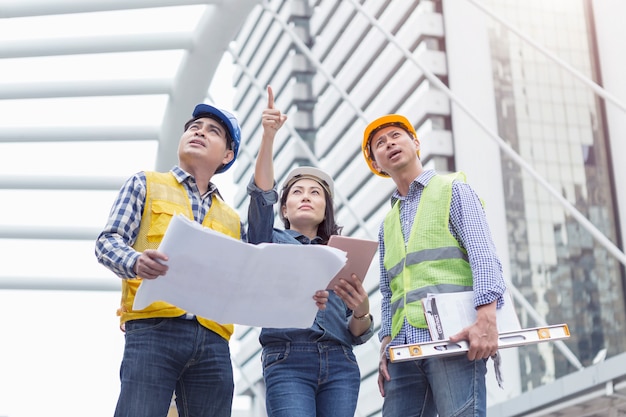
(326,228)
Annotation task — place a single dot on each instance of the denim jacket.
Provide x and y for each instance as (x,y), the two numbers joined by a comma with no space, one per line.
(330,324)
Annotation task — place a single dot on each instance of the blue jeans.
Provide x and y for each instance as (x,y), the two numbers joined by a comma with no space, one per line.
(310,379)
(449,387)
(167,355)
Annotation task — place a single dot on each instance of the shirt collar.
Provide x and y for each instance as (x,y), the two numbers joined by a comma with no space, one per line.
(181,176)
(303,239)
(422,180)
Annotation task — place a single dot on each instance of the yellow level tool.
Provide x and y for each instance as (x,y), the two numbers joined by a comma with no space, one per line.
(514,338)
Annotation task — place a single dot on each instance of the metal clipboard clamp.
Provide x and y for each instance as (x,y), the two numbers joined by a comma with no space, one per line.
(515,338)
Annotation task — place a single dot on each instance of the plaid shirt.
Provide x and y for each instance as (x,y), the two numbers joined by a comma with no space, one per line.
(114,244)
(468,225)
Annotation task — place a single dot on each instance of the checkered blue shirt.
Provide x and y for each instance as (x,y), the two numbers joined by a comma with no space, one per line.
(114,244)
(468,225)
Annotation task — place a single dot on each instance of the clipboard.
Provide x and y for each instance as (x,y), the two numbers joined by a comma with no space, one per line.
(448,313)
(360,253)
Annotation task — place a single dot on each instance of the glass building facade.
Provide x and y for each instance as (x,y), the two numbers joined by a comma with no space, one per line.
(556,123)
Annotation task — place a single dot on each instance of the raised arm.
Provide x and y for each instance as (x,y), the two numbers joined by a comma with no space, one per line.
(272,120)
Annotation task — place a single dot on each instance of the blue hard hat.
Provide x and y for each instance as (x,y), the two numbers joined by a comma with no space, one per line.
(228,120)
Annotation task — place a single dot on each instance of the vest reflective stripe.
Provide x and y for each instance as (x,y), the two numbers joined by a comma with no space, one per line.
(420,293)
(432,260)
(165,198)
(427,255)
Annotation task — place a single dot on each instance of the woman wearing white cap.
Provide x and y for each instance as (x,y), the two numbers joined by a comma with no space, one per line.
(308,372)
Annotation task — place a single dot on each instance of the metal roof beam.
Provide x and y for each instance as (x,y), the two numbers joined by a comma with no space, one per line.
(13,91)
(78,134)
(94,45)
(196,72)
(24,8)
(59,182)
(49,232)
(59,284)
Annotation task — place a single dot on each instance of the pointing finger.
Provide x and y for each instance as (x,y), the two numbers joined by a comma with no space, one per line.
(270,97)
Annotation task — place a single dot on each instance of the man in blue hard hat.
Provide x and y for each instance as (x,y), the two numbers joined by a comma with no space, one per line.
(167,349)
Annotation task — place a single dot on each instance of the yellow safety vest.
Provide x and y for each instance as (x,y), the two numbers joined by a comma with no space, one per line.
(432,261)
(166,197)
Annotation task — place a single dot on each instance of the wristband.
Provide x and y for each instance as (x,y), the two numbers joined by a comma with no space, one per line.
(361,318)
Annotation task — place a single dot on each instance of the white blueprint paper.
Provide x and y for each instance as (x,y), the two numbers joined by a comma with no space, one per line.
(215,276)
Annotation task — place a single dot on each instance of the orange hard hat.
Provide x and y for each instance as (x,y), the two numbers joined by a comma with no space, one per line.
(390,119)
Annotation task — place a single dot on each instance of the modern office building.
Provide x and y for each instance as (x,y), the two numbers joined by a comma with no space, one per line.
(527,97)
(518,95)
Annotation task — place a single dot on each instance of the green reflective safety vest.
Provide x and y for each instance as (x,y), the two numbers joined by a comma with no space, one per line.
(432,261)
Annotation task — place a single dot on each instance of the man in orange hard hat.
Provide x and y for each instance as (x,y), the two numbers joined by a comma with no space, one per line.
(434,239)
